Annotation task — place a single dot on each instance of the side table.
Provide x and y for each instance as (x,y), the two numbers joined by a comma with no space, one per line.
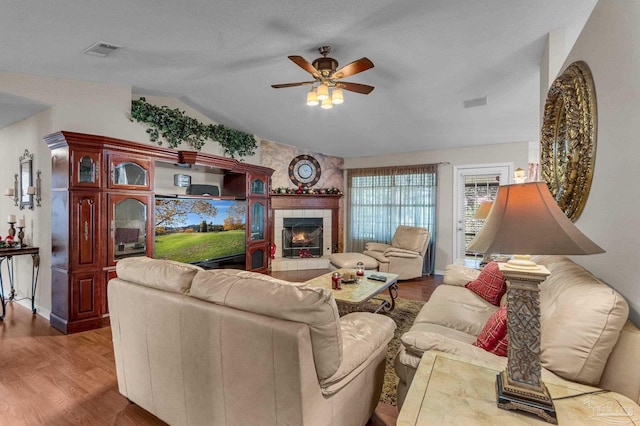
(8,254)
(454,390)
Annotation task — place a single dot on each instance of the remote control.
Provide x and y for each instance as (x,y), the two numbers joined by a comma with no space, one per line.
(378,278)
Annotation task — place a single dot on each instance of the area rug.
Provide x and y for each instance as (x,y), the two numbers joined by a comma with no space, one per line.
(403,314)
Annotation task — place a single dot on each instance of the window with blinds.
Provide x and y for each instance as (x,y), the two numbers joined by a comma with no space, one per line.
(381,199)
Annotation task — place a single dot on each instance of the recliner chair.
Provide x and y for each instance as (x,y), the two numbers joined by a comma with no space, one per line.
(405,255)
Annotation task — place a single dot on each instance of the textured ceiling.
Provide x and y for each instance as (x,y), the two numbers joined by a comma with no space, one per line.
(221,58)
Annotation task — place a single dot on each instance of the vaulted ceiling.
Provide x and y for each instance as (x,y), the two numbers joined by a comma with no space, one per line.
(221,58)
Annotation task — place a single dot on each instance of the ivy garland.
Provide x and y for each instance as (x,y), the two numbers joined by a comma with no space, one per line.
(175,127)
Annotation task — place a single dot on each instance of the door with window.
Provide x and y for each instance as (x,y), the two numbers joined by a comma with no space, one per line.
(474,185)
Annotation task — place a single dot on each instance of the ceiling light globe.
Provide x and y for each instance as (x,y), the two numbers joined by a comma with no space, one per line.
(326,104)
(323,92)
(312,98)
(337,97)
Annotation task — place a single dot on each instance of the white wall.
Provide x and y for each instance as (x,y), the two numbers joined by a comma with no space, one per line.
(516,153)
(610,45)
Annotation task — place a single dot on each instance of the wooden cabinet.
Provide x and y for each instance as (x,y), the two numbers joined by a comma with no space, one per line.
(85,219)
(103,211)
(256,188)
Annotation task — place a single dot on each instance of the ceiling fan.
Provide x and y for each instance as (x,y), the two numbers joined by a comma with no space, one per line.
(327,75)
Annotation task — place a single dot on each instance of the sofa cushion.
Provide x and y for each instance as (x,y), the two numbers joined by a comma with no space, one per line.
(416,340)
(459,275)
(456,308)
(581,318)
(490,284)
(412,238)
(364,334)
(493,337)
(299,302)
(162,274)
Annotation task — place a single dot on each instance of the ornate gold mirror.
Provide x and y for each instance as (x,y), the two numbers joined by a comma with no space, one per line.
(568,144)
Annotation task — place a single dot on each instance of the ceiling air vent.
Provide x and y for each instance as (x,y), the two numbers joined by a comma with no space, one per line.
(475,102)
(101,49)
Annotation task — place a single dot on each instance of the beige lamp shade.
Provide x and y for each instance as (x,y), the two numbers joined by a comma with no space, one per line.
(526,219)
(312,98)
(322,92)
(483,210)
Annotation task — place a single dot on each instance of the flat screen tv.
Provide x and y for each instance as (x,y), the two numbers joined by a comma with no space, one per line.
(202,231)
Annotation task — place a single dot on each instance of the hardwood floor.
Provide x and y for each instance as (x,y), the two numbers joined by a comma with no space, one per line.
(47,378)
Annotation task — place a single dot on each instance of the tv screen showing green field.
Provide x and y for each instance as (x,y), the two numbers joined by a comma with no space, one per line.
(197,230)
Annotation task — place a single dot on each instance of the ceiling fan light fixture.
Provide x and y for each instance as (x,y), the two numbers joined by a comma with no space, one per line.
(323,92)
(326,103)
(337,96)
(312,97)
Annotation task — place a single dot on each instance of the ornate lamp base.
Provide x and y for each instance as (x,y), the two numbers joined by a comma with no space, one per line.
(513,397)
(520,386)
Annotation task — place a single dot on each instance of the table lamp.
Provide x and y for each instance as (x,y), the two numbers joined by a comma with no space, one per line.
(481,214)
(483,210)
(525,218)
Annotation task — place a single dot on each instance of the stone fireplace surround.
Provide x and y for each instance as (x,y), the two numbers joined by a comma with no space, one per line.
(326,207)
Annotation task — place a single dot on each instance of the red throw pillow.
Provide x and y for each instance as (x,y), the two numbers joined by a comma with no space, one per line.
(490,284)
(493,337)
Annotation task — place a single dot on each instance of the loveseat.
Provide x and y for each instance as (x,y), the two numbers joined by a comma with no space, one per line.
(232,347)
(586,337)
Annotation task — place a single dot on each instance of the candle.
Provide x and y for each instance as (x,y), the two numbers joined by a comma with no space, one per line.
(9,192)
(20,223)
(11,218)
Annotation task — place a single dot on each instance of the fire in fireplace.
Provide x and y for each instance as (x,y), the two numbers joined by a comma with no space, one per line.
(302,237)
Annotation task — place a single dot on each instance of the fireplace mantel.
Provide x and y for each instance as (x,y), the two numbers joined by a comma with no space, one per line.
(305,201)
(312,201)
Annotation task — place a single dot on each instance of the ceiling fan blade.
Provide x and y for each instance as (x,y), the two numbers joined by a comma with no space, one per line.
(302,83)
(354,67)
(302,63)
(355,87)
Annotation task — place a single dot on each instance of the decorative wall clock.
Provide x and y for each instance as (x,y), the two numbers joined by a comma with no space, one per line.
(568,140)
(304,170)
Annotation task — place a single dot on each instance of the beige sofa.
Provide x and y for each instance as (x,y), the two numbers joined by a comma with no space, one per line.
(231,347)
(586,337)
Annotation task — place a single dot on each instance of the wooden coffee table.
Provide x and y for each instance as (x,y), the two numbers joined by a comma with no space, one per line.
(354,295)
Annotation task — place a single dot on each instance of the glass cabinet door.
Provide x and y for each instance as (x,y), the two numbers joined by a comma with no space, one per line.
(87,169)
(130,173)
(257,186)
(129,226)
(258,221)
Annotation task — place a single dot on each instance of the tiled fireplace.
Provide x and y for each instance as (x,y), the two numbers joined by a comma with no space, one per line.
(302,237)
(297,214)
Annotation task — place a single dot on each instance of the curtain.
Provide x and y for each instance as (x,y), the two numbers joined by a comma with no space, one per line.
(380,199)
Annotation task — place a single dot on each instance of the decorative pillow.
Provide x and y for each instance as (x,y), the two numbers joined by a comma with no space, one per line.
(493,337)
(490,284)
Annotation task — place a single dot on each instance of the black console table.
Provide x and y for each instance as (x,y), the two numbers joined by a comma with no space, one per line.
(8,253)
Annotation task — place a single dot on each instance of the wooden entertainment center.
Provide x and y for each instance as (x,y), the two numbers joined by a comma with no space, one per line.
(103,187)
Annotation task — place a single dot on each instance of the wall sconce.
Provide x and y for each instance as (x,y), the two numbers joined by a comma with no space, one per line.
(13,192)
(36,191)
